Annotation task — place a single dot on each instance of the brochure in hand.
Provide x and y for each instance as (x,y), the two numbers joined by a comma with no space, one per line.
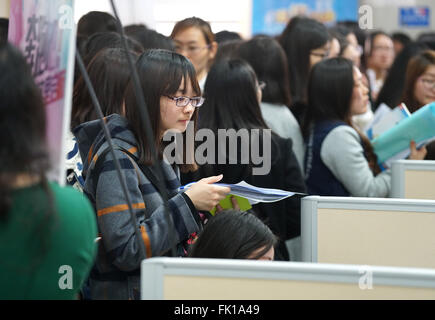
(393,144)
(386,118)
(251,193)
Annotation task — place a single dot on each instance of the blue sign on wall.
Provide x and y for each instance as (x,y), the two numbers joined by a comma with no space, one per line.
(271,16)
(415,16)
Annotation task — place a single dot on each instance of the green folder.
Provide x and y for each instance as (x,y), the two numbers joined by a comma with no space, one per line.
(227,204)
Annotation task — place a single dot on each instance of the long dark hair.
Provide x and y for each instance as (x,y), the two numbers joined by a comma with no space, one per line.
(161,73)
(96,21)
(104,40)
(300,36)
(149,39)
(231,97)
(22,125)
(269,62)
(109,74)
(231,103)
(23,151)
(233,235)
(330,88)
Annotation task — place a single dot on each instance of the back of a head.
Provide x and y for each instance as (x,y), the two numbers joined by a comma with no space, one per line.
(225,35)
(135,28)
(330,88)
(391,92)
(233,235)
(428,38)
(109,73)
(227,49)
(151,39)
(96,21)
(104,40)
(401,37)
(301,35)
(231,99)
(4,27)
(22,120)
(269,62)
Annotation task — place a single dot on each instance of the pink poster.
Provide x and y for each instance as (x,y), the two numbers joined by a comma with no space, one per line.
(44,31)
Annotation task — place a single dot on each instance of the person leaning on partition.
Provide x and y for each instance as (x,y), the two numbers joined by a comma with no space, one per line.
(232,234)
(172,95)
(47,232)
(339,160)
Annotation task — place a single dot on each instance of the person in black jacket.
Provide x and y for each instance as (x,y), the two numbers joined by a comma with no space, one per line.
(232,95)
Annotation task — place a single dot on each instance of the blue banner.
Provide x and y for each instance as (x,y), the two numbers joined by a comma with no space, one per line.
(271,16)
(414,17)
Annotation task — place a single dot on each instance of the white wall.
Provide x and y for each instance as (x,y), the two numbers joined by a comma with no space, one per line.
(162,14)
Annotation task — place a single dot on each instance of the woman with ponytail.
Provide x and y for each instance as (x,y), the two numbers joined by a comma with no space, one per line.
(340,160)
(47,232)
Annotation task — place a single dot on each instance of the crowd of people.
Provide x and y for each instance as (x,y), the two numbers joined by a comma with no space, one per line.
(311,90)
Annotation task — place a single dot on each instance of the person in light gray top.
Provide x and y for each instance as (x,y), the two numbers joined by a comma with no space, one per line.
(339,160)
(269,62)
(281,120)
(343,154)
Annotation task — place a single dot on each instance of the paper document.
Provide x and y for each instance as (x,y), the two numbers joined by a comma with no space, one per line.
(385,119)
(252,193)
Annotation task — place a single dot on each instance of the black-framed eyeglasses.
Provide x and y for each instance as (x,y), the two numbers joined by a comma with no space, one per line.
(184,101)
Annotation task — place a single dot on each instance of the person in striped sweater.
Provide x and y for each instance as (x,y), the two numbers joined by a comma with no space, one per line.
(171,94)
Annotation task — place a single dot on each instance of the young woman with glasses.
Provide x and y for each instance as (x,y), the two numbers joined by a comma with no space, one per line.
(194,39)
(420,86)
(420,81)
(172,96)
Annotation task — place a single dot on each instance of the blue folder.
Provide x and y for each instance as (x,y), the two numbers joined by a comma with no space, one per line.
(420,127)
